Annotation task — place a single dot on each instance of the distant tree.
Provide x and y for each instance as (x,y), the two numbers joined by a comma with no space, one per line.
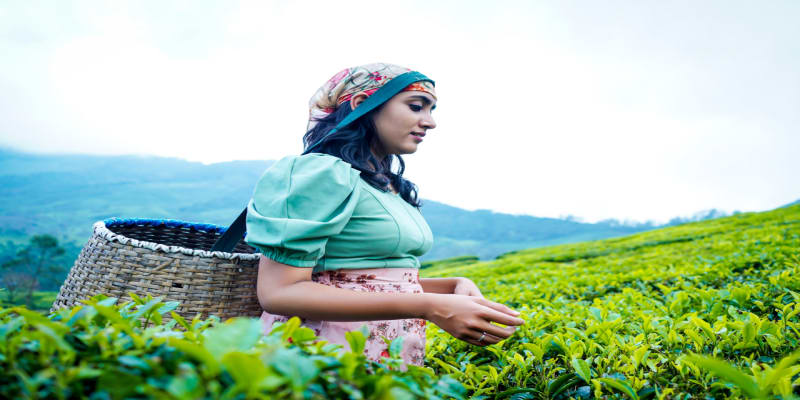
(8,251)
(33,265)
(13,284)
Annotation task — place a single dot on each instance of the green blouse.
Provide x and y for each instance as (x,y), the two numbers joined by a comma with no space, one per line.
(314,210)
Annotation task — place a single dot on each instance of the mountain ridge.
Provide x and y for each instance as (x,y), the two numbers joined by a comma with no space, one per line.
(67,193)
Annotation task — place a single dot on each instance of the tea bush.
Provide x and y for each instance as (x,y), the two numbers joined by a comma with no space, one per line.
(702,310)
(105,351)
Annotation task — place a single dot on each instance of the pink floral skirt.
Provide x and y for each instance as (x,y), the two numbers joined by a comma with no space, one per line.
(383,280)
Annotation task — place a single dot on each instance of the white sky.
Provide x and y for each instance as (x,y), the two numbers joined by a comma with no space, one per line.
(638,110)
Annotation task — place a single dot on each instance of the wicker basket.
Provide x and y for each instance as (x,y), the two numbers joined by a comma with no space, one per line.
(165,258)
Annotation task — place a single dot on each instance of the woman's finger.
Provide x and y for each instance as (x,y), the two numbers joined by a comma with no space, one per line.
(474,342)
(498,331)
(499,307)
(501,318)
(487,338)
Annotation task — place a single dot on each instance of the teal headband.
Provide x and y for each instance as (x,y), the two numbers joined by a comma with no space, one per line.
(380,96)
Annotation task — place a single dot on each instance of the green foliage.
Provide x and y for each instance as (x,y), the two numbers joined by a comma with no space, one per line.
(30,268)
(101,350)
(42,300)
(765,382)
(707,310)
(701,310)
(450,262)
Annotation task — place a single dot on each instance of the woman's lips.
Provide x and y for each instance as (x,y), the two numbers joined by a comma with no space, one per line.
(417,137)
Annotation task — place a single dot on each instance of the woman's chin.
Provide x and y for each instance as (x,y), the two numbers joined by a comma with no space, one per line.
(411,149)
(407,148)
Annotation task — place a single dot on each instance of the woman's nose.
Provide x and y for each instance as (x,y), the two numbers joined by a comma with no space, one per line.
(428,122)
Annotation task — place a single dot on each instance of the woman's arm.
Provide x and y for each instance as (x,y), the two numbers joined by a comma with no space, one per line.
(438,285)
(457,285)
(287,290)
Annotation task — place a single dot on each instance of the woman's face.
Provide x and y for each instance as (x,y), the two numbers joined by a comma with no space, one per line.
(403,121)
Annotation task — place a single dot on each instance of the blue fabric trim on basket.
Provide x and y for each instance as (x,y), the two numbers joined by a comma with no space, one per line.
(172,223)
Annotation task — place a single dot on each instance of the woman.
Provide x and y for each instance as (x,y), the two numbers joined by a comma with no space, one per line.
(340,233)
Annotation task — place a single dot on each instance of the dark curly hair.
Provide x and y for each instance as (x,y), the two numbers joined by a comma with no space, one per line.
(352,144)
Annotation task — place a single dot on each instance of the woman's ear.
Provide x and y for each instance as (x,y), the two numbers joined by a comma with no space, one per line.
(357,99)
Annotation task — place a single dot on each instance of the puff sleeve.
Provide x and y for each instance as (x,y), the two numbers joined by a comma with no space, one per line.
(298,203)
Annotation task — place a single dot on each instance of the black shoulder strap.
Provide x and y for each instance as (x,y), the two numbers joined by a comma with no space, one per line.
(233,235)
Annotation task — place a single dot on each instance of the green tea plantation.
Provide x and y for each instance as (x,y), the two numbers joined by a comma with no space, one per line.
(707,310)
(702,310)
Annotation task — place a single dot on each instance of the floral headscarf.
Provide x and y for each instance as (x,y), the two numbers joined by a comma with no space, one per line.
(351,81)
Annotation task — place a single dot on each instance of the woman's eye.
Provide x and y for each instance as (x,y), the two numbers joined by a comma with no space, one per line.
(415,107)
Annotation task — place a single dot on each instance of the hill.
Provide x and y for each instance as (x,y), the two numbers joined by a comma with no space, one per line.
(64,195)
(628,314)
(792,203)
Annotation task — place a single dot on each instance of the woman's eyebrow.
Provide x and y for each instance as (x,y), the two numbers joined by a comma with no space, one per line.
(424,99)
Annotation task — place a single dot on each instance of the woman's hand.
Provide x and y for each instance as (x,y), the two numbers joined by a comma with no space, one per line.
(450,286)
(466,287)
(469,317)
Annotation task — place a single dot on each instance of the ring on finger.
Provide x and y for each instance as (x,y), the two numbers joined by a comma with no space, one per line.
(483,335)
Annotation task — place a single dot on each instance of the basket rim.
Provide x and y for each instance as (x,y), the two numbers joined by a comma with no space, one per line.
(101,229)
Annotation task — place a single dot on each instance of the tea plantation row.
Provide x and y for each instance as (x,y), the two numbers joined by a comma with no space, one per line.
(623,317)
(106,351)
(703,310)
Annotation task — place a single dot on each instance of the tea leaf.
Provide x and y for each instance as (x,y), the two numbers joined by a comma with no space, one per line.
(619,385)
(582,369)
(730,374)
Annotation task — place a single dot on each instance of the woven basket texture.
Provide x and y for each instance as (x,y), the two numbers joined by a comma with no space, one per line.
(168,259)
